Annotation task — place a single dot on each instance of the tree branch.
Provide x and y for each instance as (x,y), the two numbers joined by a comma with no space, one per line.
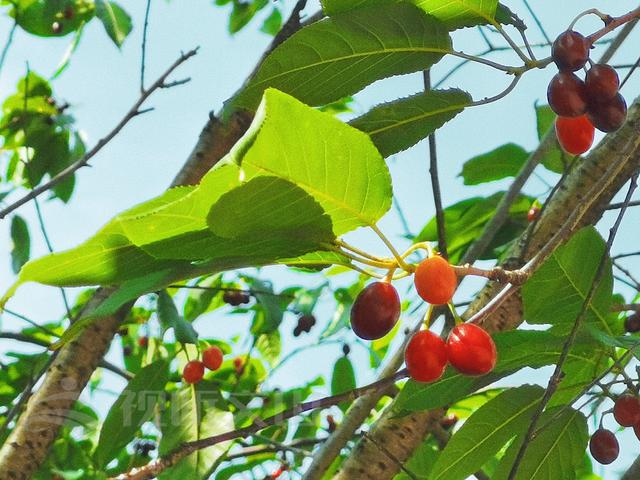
(71,169)
(158,466)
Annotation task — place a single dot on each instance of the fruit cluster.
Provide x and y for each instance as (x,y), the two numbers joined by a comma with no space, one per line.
(468,348)
(604,446)
(583,105)
(194,370)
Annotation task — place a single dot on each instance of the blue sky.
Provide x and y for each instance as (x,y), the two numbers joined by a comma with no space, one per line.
(102,82)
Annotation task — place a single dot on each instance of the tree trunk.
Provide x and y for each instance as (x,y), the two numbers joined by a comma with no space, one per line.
(27,447)
(616,159)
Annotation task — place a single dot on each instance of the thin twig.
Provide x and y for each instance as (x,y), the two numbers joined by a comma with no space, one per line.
(271,448)
(157,466)
(21,337)
(231,289)
(557,374)
(616,206)
(7,45)
(615,23)
(537,21)
(435,182)
(627,273)
(143,56)
(71,169)
(630,72)
(624,255)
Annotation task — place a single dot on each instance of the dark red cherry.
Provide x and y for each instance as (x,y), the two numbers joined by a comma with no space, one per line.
(471,350)
(375,311)
(626,410)
(533,213)
(575,134)
(632,323)
(601,83)
(566,95)
(608,116)
(426,356)
(193,371)
(604,446)
(570,51)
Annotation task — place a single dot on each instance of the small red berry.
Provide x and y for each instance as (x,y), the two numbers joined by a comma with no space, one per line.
(212,358)
(567,95)
(533,213)
(193,371)
(449,421)
(375,311)
(426,356)
(143,342)
(608,116)
(632,323)
(471,350)
(238,364)
(601,83)
(626,410)
(604,446)
(570,51)
(575,134)
(435,280)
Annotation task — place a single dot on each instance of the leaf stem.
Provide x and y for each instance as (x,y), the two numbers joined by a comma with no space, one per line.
(401,263)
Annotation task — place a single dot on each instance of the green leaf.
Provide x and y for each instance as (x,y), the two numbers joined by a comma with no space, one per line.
(398,125)
(505,161)
(188,419)
(465,221)
(20,243)
(269,312)
(453,13)
(486,432)
(339,56)
(554,159)
(203,300)
(336,164)
(421,461)
(343,379)
(517,349)
(170,318)
(268,204)
(564,280)
(273,23)
(39,17)
(555,453)
(270,346)
(134,406)
(116,21)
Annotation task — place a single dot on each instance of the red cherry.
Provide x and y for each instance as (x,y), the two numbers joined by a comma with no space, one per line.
(626,410)
(193,371)
(471,350)
(575,134)
(632,323)
(567,95)
(533,213)
(449,421)
(604,446)
(212,358)
(426,356)
(601,83)
(143,342)
(608,116)
(570,51)
(435,280)
(375,311)
(238,365)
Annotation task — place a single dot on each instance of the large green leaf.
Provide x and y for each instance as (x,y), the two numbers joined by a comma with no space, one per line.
(336,164)
(398,125)
(564,281)
(339,56)
(517,349)
(554,157)
(555,453)
(486,432)
(134,406)
(504,161)
(453,13)
(187,419)
(169,317)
